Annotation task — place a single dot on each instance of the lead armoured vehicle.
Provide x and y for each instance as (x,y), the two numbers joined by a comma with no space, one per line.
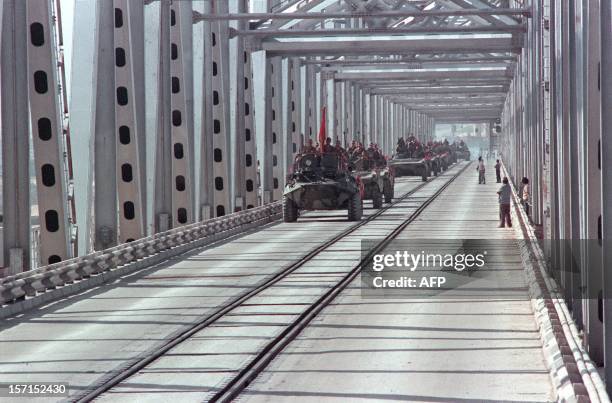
(376,177)
(322,181)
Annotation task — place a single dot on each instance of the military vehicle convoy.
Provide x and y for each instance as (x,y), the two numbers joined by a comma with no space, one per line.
(322,181)
(414,159)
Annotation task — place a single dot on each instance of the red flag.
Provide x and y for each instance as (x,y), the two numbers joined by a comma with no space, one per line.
(322,130)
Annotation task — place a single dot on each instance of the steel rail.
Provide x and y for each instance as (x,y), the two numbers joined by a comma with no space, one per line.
(244,377)
(140,362)
(526,12)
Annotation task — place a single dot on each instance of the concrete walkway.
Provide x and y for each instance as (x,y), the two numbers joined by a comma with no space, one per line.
(483,348)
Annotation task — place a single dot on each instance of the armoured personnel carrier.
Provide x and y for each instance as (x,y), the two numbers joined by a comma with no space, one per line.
(322,181)
(462,151)
(410,160)
(377,179)
(404,165)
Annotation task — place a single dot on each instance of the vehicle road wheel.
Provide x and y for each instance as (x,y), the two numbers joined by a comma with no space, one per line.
(290,210)
(355,207)
(377,199)
(388,192)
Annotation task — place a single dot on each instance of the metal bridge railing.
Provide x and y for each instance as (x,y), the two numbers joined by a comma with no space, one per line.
(38,281)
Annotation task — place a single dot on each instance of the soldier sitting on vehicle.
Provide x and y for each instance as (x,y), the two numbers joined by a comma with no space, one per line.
(328,148)
(309,147)
(401,146)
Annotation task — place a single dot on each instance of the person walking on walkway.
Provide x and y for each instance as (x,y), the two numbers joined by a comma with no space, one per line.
(481,171)
(498,171)
(525,194)
(505,194)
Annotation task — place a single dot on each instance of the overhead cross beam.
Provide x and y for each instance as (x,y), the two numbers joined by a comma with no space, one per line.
(376,14)
(431,45)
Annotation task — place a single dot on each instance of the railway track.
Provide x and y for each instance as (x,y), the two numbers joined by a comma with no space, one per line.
(245,376)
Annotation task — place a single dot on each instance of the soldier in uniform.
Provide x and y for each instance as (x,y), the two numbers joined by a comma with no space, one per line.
(309,147)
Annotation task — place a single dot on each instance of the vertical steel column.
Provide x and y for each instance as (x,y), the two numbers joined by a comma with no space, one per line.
(104,155)
(274,130)
(386,135)
(162,196)
(377,121)
(241,111)
(606,185)
(129,194)
(592,261)
(395,122)
(207,184)
(250,145)
(245,167)
(365,133)
(311,103)
(219,41)
(294,109)
(15,137)
(372,119)
(348,111)
(47,127)
(358,135)
(338,112)
(137,32)
(182,207)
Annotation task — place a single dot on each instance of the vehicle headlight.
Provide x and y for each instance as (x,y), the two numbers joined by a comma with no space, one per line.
(308,163)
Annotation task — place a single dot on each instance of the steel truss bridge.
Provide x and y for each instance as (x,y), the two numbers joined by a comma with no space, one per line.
(156,128)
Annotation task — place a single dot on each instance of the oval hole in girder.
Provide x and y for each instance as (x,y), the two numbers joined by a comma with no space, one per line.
(126,173)
(51,220)
(219,183)
(119,57)
(124,135)
(40,82)
(122,96)
(54,259)
(181,215)
(218,155)
(47,172)
(177,119)
(178,151)
(118,18)
(44,129)
(220,211)
(179,183)
(37,34)
(176,85)
(129,211)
